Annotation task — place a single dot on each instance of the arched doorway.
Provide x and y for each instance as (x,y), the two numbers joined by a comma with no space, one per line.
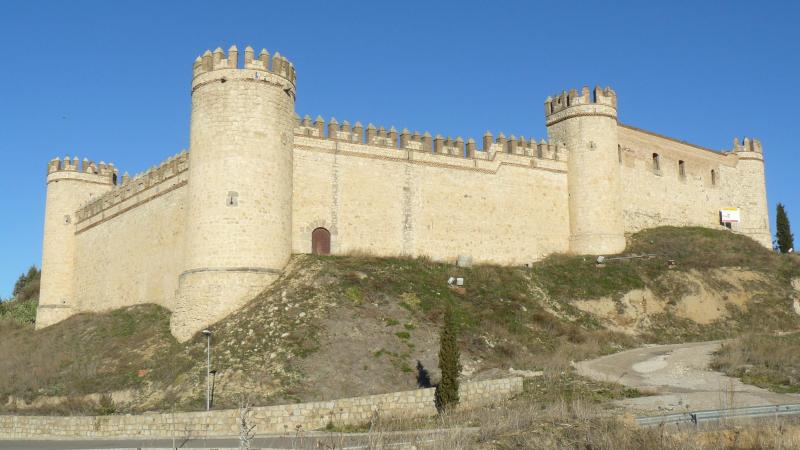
(321,242)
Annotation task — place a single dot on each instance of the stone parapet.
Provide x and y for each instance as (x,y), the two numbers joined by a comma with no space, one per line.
(380,137)
(85,170)
(218,60)
(599,102)
(482,162)
(268,419)
(136,190)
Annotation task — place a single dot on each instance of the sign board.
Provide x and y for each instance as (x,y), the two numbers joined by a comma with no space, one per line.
(729,215)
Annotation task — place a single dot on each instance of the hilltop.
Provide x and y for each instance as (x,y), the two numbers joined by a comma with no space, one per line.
(336,326)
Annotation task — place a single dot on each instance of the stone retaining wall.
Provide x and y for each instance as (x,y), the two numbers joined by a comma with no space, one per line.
(268,419)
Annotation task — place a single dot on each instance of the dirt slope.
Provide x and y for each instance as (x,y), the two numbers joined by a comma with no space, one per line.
(354,325)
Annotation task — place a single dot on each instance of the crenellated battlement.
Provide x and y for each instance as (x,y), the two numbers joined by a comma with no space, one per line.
(101,171)
(426,142)
(747,145)
(597,96)
(217,60)
(265,184)
(131,186)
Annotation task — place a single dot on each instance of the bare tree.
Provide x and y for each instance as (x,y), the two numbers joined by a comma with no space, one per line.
(246,425)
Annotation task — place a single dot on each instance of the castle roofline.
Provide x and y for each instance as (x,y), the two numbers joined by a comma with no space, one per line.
(652,133)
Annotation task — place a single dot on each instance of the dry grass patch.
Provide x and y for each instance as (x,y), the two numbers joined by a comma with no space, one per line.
(766,360)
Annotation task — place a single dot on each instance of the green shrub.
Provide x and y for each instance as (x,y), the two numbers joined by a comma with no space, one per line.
(403,335)
(106,405)
(449,364)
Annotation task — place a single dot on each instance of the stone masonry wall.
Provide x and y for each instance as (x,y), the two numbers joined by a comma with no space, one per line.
(269,419)
(130,244)
(665,197)
(496,207)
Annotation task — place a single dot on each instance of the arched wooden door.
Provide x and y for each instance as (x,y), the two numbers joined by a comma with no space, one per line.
(321,242)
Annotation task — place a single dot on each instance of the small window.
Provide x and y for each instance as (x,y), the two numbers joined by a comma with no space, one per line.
(233,199)
(619,153)
(656,163)
(681,169)
(713,177)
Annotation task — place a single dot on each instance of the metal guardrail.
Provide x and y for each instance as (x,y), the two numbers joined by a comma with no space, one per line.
(694,418)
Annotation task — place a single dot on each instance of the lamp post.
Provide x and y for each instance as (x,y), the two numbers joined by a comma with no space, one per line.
(207,333)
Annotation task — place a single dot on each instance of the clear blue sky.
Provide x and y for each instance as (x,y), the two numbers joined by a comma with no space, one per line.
(109,80)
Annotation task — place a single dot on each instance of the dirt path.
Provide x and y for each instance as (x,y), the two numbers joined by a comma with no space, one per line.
(680,377)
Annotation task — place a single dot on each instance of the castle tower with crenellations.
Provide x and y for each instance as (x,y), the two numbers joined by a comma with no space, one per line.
(70,183)
(238,231)
(586,123)
(206,230)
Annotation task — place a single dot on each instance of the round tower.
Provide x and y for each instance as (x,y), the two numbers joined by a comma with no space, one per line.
(751,189)
(69,186)
(239,204)
(586,124)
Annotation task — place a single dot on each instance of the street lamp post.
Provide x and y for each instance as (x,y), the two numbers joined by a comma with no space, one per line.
(207,333)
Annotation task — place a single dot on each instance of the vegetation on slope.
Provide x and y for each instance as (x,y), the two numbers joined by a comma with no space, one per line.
(766,360)
(700,252)
(89,353)
(335,326)
(20,309)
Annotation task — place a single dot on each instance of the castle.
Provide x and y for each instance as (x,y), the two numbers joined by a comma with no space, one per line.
(208,229)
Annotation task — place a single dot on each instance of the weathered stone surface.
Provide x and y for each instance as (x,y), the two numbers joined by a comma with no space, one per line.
(268,419)
(201,234)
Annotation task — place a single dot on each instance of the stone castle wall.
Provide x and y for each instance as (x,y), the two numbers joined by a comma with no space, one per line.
(288,419)
(206,230)
(496,207)
(130,241)
(668,197)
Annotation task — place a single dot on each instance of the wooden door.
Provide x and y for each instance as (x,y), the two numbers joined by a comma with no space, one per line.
(321,242)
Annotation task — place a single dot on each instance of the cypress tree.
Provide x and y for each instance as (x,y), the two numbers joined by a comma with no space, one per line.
(449,363)
(784,231)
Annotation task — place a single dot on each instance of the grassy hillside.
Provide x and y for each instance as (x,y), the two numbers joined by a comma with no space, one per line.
(352,325)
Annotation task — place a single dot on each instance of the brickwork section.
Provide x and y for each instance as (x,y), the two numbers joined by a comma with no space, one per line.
(270,419)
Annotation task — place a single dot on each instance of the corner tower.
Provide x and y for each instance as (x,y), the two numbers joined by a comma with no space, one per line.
(586,124)
(69,186)
(752,190)
(239,204)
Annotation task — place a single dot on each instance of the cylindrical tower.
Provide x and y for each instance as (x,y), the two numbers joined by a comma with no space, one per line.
(68,187)
(752,191)
(239,205)
(586,124)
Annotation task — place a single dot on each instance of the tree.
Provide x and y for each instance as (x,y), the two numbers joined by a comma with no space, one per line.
(784,232)
(449,363)
(27,285)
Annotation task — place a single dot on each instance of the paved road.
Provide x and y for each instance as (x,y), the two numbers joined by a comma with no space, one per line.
(680,377)
(317,441)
